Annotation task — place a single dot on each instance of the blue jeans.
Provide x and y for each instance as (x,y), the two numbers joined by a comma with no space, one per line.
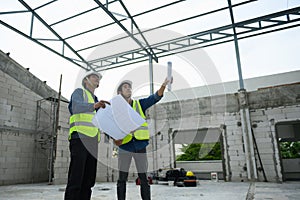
(141,162)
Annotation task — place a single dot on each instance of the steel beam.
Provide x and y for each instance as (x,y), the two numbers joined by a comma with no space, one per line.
(249,28)
(155,28)
(139,31)
(236,45)
(41,44)
(53,32)
(123,27)
(213,37)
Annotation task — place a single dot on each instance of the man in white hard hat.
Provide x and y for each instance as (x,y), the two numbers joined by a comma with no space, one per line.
(135,143)
(83,138)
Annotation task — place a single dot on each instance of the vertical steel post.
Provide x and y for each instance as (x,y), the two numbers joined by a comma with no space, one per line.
(151,74)
(154,140)
(31,26)
(244,111)
(237,52)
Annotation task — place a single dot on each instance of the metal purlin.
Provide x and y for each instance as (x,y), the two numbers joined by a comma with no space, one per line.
(158,27)
(54,32)
(79,61)
(152,54)
(79,14)
(43,45)
(37,40)
(112,23)
(214,36)
(208,38)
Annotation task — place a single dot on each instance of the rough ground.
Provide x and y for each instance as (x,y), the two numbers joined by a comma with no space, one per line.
(207,190)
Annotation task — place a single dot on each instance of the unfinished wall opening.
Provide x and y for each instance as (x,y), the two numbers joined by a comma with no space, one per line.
(45,138)
(288,136)
(199,150)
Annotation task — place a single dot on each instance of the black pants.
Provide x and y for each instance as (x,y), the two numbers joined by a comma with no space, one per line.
(82,169)
(141,162)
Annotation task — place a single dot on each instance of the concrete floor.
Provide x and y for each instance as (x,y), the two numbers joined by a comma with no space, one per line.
(205,190)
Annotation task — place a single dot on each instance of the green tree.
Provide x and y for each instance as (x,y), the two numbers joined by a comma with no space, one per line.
(194,152)
(191,152)
(210,151)
(290,149)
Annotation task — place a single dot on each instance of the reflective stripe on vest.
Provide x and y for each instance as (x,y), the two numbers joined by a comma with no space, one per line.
(82,122)
(142,133)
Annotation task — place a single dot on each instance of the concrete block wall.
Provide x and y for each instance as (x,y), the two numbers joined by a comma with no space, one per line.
(264,122)
(184,115)
(267,107)
(181,115)
(21,159)
(24,160)
(25,128)
(235,150)
(62,156)
(20,162)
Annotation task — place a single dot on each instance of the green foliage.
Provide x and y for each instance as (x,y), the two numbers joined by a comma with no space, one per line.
(194,152)
(290,149)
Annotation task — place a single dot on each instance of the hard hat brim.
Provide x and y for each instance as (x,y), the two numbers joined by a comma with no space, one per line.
(93,73)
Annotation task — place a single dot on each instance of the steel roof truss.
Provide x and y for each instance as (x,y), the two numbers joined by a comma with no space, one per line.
(41,44)
(64,43)
(249,28)
(139,31)
(112,23)
(162,26)
(46,4)
(219,33)
(123,27)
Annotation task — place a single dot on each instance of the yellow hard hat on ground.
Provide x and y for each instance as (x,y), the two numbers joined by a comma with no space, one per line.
(189,173)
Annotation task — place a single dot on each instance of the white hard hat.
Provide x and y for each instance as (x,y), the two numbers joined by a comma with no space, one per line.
(123,82)
(88,73)
(126,81)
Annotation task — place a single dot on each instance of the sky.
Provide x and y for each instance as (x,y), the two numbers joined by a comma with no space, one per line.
(261,55)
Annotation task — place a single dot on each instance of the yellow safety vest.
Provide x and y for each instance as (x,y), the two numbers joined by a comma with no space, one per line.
(142,133)
(82,122)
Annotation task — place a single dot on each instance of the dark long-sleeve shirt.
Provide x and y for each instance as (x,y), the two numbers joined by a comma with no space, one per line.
(135,145)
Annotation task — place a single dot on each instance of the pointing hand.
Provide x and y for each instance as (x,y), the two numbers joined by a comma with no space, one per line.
(101,104)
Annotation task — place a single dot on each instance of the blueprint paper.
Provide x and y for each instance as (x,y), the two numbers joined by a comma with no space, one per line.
(118,119)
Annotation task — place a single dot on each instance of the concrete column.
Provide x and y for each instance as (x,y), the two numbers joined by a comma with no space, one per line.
(226,163)
(247,135)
